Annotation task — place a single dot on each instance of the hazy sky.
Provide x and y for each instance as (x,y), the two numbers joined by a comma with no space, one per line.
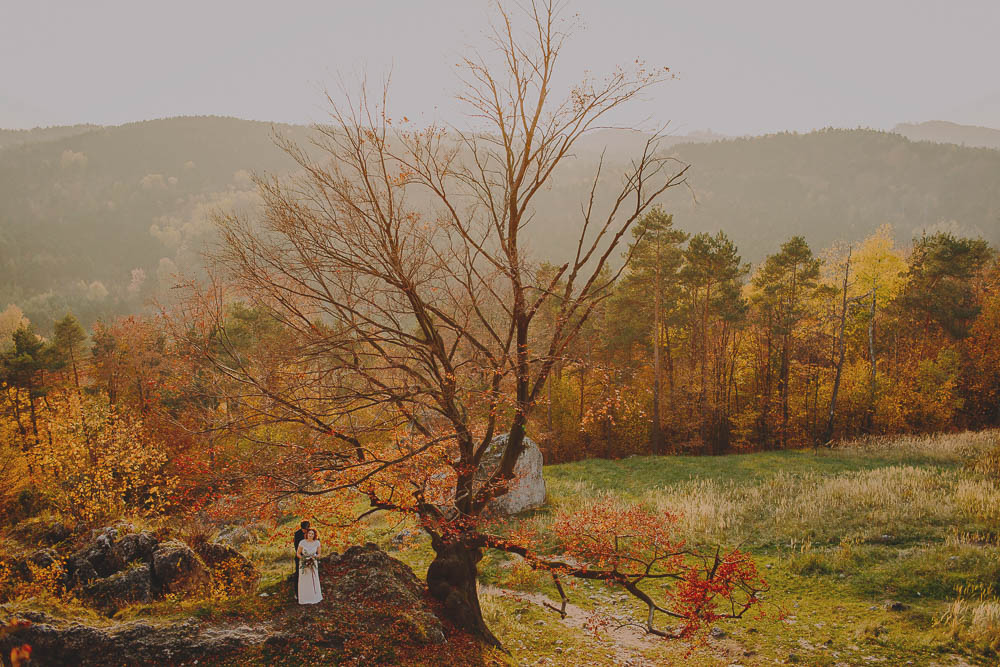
(744,67)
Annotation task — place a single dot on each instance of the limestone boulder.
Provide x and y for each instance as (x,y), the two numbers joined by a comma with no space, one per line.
(100,553)
(44,558)
(62,643)
(527,489)
(234,536)
(79,572)
(135,547)
(109,551)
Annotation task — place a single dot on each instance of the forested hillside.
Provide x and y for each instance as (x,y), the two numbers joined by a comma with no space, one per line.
(98,220)
(837,185)
(943,132)
(20,137)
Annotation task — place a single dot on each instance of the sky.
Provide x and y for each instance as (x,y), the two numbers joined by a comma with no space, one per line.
(743,67)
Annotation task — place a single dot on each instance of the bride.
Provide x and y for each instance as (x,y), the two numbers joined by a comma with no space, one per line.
(308,553)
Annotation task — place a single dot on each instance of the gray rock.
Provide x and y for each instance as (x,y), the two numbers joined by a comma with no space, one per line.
(79,572)
(57,643)
(527,489)
(43,558)
(135,547)
(214,554)
(130,586)
(100,553)
(55,533)
(178,569)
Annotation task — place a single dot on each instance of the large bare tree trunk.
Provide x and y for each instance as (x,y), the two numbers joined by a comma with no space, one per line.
(452,579)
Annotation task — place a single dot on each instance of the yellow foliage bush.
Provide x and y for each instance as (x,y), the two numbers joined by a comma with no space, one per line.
(231,578)
(42,583)
(99,463)
(13,465)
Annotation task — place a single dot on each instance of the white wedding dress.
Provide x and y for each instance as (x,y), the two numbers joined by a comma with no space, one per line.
(309,589)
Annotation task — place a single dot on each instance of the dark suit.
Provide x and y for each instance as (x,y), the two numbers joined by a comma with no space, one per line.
(300,535)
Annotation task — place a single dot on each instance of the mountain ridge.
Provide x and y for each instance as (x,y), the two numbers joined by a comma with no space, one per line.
(99,221)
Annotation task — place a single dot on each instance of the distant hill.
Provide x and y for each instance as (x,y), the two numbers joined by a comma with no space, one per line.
(80,213)
(98,221)
(943,132)
(837,185)
(20,137)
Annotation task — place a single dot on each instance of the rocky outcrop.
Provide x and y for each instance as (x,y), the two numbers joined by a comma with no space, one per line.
(135,547)
(100,553)
(527,489)
(234,536)
(384,594)
(116,568)
(177,568)
(57,643)
(38,530)
(43,558)
(79,572)
(368,597)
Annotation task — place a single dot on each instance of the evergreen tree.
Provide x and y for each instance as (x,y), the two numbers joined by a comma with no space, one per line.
(711,278)
(67,345)
(939,290)
(784,284)
(648,299)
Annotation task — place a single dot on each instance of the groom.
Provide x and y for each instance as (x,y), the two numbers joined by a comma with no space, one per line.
(300,535)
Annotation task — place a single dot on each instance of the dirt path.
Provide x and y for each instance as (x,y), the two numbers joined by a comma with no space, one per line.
(630,645)
(626,642)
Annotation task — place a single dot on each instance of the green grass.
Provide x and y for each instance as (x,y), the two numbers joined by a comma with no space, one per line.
(638,475)
(838,533)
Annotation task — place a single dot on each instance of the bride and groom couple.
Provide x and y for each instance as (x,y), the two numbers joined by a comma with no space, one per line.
(307,553)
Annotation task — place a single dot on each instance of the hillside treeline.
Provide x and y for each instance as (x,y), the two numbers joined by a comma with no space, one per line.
(101,220)
(694,351)
(836,186)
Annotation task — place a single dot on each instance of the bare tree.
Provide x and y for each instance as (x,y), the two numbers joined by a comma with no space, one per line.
(397,266)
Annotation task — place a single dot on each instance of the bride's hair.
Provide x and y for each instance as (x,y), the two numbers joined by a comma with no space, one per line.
(315,534)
